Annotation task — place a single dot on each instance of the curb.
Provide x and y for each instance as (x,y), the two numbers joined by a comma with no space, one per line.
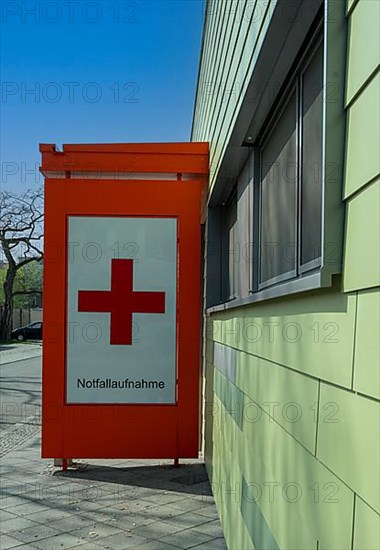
(20,359)
(19,354)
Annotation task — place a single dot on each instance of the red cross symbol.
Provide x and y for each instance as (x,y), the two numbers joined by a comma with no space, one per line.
(121,301)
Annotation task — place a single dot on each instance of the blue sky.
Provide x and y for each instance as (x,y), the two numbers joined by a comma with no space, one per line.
(102,71)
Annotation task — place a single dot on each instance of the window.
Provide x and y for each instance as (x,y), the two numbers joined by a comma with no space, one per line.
(311,84)
(230,248)
(278,198)
(290,184)
(281,231)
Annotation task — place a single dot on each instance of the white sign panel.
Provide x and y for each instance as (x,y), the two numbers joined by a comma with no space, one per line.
(121,310)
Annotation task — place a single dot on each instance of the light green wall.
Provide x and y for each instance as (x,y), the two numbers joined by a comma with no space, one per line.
(277,425)
(299,500)
(296,404)
(351,440)
(362,252)
(367,344)
(364,45)
(367,532)
(234,33)
(363,136)
(314,336)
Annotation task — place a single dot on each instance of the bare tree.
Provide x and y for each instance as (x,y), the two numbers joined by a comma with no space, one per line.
(21,232)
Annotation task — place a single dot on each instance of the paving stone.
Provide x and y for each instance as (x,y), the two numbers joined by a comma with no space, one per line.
(161,512)
(214,544)
(136,491)
(59,542)
(35,533)
(7,542)
(28,508)
(155,545)
(96,531)
(136,507)
(112,505)
(114,512)
(208,511)
(189,505)
(17,477)
(71,523)
(157,530)
(16,436)
(13,487)
(91,546)
(15,525)
(186,520)
(122,541)
(164,498)
(117,503)
(47,515)
(187,539)
(4,515)
(133,521)
(206,499)
(85,506)
(7,502)
(212,528)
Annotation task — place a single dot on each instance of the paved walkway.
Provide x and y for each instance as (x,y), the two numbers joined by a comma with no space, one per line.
(104,504)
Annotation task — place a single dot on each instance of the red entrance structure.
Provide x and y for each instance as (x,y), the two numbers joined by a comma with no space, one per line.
(122,180)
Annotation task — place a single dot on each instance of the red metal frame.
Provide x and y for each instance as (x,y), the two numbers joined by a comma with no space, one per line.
(123,431)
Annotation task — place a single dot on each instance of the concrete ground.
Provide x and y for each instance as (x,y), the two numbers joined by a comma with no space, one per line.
(100,504)
(20,383)
(17,352)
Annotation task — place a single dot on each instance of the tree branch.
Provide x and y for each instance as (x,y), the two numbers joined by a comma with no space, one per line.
(27,261)
(22,292)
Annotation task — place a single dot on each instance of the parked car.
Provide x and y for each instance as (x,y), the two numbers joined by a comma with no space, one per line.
(29,332)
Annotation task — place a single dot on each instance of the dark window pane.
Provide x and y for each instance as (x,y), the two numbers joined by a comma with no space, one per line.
(311,191)
(278,197)
(232,247)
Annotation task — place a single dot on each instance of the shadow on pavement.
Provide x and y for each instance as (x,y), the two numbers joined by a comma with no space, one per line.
(188,478)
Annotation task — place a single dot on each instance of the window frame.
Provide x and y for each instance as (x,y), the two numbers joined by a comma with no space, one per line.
(295,85)
(291,274)
(229,213)
(316,263)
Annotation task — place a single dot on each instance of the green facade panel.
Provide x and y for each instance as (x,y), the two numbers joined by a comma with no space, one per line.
(367,527)
(362,246)
(311,333)
(231,397)
(257,526)
(253,28)
(225,70)
(363,137)
(348,440)
(364,45)
(293,499)
(227,480)
(302,501)
(367,344)
(289,398)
